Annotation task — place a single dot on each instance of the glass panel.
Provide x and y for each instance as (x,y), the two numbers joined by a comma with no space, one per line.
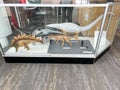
(114,22)
(110,27)
(32,17)
(91,16)
(57,30)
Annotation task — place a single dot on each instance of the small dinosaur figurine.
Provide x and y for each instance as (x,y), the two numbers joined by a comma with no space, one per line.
(57,38)
(24,40)
(64,38)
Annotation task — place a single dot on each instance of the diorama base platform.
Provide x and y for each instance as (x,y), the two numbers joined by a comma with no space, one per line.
(53,60)
(78,47)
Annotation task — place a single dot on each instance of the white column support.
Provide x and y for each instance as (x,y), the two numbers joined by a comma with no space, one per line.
(5,28)
(101,30)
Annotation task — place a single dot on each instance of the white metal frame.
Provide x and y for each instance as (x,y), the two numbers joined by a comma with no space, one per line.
(101,29)
(54,5)
(1,50)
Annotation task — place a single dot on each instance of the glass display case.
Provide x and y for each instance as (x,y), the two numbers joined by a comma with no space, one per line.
(32,32)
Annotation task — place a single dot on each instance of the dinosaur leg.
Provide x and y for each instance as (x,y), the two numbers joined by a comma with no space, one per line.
(26,46)
(76,38)
(82,43)
(62,43)
(69,42)
(56,41)
(16,47)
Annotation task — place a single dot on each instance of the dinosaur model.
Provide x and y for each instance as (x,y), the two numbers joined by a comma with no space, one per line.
(24,40)
(57,38)
(72,30)
(72,27)
(64,38)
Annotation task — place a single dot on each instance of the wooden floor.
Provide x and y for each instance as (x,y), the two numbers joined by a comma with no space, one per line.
(103,75)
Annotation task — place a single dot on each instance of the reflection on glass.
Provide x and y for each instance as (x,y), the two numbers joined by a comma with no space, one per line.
(110,27)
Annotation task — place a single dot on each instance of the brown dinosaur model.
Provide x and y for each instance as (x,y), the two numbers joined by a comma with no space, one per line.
(57,38)
(24,41)
(64,38)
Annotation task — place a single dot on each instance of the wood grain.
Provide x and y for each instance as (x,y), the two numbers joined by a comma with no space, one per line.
(86,15)
(114,22)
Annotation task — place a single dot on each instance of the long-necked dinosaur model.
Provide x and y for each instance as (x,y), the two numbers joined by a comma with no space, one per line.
(24,40)
(72,27)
